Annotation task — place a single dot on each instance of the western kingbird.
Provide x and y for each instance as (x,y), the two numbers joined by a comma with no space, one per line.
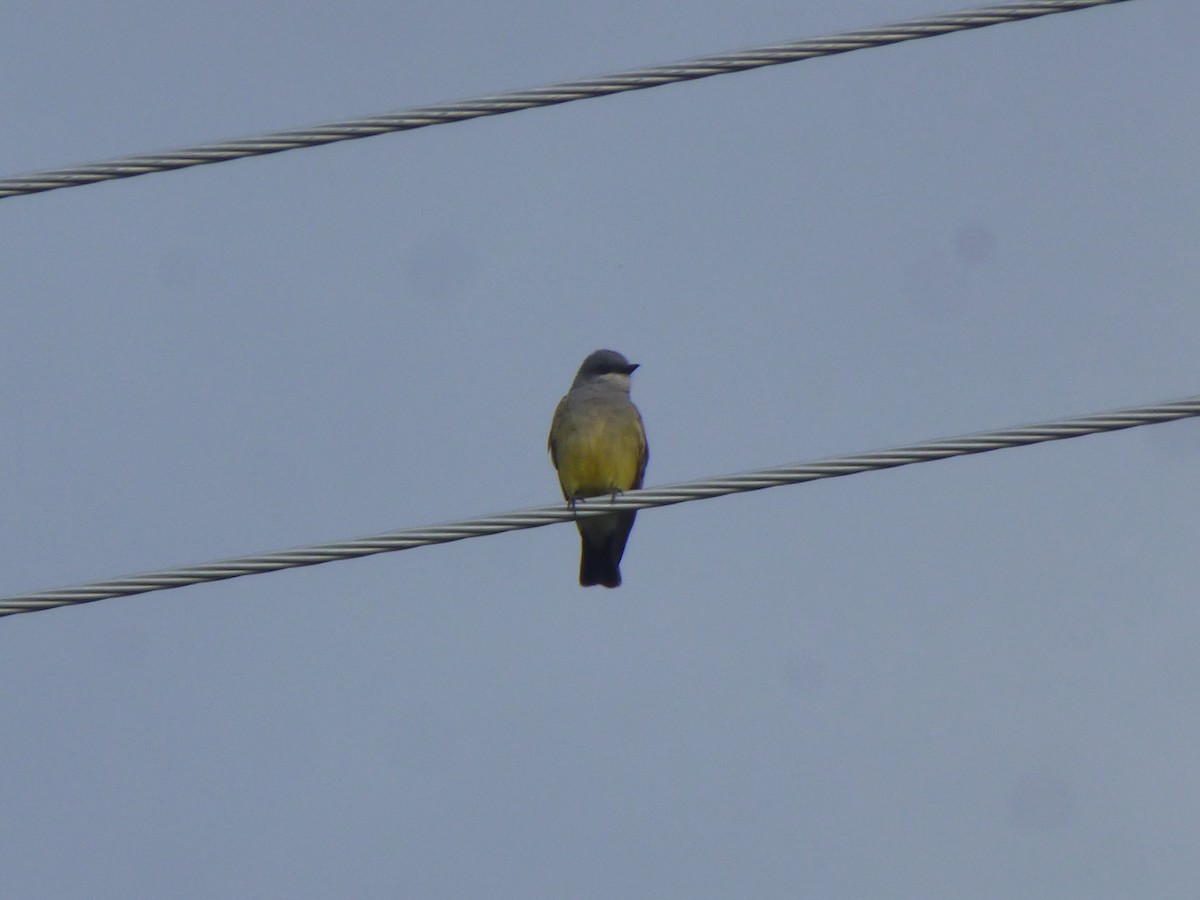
(598,446)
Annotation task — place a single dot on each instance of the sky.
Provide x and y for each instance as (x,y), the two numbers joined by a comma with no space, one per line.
(971,678)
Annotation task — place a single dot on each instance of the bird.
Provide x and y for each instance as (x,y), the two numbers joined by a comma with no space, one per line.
(598,445)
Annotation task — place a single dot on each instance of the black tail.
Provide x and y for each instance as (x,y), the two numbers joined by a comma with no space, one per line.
(603,539)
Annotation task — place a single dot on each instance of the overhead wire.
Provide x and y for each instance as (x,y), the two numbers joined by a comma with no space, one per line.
(909,454)
(548,95)
(564,92)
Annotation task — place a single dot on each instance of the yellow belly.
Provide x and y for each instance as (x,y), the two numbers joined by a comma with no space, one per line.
(600,460)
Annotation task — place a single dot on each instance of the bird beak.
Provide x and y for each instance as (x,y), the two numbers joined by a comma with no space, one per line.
(631,367)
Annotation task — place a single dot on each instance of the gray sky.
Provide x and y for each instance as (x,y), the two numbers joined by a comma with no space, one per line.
(970,678)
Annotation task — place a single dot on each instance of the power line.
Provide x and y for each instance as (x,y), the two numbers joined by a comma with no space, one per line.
(561,92)
(927,451)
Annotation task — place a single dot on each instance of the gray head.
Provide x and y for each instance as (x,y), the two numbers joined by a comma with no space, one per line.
(608,365)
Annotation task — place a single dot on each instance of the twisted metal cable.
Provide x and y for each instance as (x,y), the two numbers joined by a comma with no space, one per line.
(561,92)
(643,499)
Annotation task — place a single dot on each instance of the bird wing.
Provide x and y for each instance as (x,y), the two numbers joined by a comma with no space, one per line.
(643,451)
(551,444)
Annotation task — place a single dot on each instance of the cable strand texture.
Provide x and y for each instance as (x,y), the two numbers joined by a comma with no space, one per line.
(549,95)
(667,495)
